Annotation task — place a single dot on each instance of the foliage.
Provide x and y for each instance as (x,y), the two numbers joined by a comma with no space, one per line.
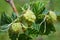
(5,19)
(41,25)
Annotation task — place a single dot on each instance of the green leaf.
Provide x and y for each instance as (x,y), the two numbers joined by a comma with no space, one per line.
(39,18)
(35,26)
(13,16)
(32,32)
(49,28)
(5,19)
(25,6)
(37,7)
(13,35)
(42,28)
(24,37)
(4,28)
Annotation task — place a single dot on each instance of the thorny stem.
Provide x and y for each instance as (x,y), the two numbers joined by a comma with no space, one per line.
(11,2)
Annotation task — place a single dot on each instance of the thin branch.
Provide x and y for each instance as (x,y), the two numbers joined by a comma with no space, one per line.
(11,2)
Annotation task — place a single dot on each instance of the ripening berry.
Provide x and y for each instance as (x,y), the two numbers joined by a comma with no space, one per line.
(52,16)
(16,27)
(29,16)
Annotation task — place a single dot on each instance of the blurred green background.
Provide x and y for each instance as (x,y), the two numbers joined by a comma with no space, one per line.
(50,4)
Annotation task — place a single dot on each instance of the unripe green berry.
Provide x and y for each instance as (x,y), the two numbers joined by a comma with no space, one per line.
(29,16)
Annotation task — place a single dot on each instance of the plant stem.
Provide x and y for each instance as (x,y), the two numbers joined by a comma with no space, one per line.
(11,2)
